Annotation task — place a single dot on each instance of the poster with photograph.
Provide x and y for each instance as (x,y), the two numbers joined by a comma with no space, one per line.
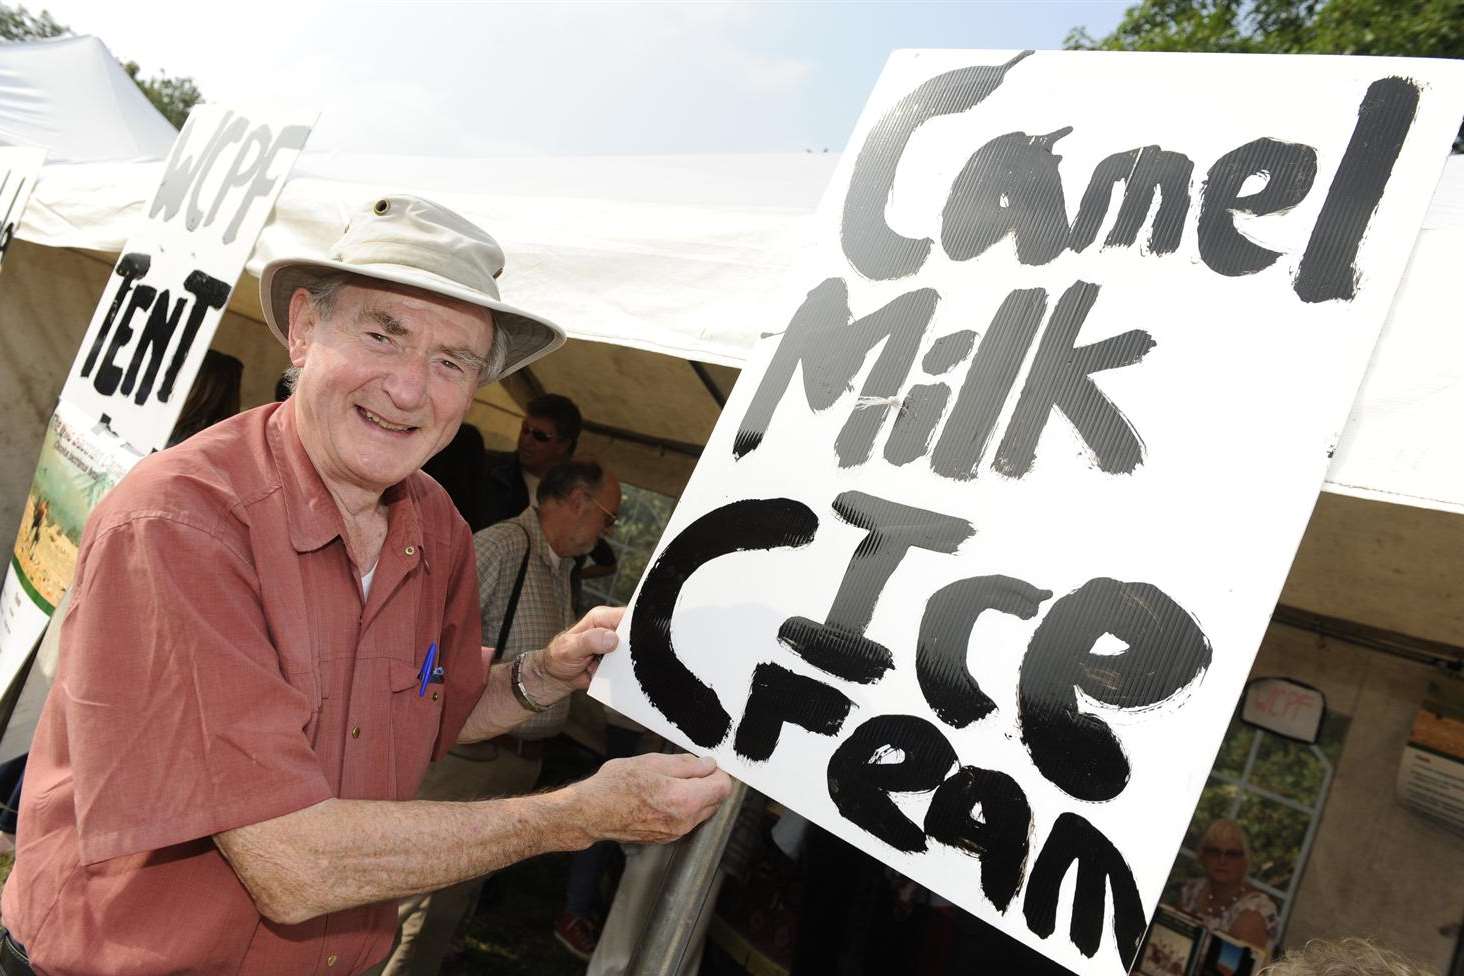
(20,167)
(80,462)
(172,282)
(1225,956)
(974,566)
(1172,945)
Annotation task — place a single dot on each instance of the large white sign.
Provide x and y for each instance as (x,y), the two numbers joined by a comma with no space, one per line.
(19,168)
(173,280)
(974,566)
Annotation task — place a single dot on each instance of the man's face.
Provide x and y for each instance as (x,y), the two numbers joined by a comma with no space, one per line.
(594,515)
(385,380)
(540,446)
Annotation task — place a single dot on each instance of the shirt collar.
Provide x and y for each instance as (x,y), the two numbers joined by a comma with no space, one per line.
(310,511)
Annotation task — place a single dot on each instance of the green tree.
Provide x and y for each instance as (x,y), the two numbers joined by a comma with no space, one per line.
(18,24)
(1410,28)
(1399,28)
(173,97)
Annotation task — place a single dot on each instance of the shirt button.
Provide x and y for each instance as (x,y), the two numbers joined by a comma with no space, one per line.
(434,696)
(356,732)
(410,550)
(330,959)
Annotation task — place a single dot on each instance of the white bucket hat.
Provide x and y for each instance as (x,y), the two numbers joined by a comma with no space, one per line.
(412,241)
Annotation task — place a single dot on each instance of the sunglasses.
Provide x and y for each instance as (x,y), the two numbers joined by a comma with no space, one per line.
(1229,853)
(536,434)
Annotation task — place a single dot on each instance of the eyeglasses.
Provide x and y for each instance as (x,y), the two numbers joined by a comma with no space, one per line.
(1229,853)
(610,517)
(537,434)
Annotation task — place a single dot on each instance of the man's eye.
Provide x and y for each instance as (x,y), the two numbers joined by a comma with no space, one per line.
(377,337)
(451,365)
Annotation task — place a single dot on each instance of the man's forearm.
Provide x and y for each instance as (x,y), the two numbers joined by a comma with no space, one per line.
(498,711)
(342,853)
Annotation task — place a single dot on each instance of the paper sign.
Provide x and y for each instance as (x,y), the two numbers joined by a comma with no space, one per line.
(1285,707)
(19,168)
(80,462)
(1431,775)
(171,284)
(974,566)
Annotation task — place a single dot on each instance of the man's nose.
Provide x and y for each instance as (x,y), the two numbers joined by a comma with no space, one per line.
(406,383)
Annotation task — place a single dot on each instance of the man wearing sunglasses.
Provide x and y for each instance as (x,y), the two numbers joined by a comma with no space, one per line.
(548,436)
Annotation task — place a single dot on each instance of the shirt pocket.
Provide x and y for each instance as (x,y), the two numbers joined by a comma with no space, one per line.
(416,720)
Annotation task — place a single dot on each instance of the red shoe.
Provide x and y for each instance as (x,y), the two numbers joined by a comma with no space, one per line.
(577,934)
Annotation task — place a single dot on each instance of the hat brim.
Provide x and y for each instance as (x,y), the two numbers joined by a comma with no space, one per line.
(529,337)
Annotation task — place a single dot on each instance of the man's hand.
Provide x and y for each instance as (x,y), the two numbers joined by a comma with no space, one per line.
(650,799)
(572,657)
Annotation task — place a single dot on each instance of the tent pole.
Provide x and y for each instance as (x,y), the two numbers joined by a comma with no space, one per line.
(685,893)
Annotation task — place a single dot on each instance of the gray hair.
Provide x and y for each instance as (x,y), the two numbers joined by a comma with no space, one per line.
(324,288)
(1345,957)
(567,477)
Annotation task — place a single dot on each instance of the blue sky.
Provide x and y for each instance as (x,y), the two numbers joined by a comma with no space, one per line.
(464,78)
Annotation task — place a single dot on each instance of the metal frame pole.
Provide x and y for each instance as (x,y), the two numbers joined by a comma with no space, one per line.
(685,893)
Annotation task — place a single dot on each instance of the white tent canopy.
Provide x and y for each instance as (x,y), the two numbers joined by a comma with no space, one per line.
(70,95)
(687,257)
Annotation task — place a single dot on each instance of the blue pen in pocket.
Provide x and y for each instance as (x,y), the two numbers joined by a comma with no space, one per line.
(429,671)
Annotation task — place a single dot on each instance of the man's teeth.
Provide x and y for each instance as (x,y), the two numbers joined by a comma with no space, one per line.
(398,428)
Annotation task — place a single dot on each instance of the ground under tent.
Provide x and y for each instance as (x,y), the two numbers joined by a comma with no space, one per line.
(665,271)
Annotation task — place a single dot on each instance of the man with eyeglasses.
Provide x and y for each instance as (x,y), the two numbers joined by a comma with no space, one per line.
(524,567)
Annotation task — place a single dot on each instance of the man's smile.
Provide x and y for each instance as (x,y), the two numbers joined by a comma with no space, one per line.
(378,421)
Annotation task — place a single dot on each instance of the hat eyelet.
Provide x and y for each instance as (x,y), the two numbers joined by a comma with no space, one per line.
(382,207)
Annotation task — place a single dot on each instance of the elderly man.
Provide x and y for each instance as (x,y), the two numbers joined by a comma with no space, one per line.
(523,589)
(274,628)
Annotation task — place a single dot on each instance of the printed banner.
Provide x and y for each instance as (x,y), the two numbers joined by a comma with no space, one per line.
(173,280)
(975,564)
(80,462)
(20,167)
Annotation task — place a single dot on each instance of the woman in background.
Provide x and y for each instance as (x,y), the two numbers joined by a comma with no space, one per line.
(1223,899)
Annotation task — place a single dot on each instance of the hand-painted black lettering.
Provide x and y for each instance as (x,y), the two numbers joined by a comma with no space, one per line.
(778,696)
(831,349)
(915,424)
(1011,185)
(1167,652)
(862,775)
(1328,267)
(182,171)
(231,133)
(750,524)
(1143,171)
(947,351)
(109,373)
(874,249)
(208,293)
(153,346)
(945,636)
(1100,867)
(260,182)
(989,379)
(1289,168)
(129,268)
(1001,838)
(839,646)
(1060,378)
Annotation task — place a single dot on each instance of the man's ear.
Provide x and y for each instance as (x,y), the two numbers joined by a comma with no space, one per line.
(303,320)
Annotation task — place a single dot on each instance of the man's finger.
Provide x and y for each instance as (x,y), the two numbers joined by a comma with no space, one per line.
(683,765)
(606,617)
